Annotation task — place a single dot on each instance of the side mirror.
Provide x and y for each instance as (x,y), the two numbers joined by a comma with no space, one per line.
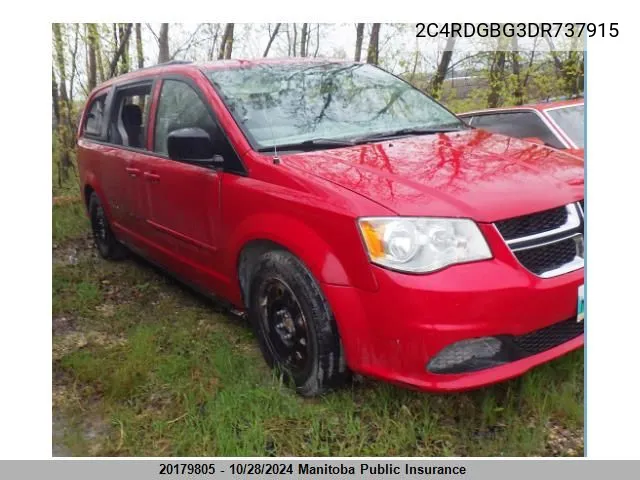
(192,145)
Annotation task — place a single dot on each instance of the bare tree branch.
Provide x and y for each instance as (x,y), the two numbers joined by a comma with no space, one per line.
(123,44)
(148,25)
(272,37)
(188,44)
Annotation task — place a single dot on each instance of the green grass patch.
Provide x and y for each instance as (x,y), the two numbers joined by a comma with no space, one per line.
(69,221)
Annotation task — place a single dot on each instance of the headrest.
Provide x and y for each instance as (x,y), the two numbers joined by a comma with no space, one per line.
(132,115)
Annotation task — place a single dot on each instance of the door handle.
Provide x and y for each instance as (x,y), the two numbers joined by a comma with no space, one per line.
(152,177)
(133,172)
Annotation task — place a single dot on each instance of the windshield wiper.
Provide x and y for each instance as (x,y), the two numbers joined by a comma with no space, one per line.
(407,131)
(316,143)
(320,143)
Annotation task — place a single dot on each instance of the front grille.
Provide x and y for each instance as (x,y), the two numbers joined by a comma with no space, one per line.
(532,224)
(546,338)
(547,257)
(547,243)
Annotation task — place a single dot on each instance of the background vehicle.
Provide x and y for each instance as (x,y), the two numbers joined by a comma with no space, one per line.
(348,213)
(556,124)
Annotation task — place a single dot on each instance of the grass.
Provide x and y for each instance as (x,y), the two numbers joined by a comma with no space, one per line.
(69,221)
(143,366)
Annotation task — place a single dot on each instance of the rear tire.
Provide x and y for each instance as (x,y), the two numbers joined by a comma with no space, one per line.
(106,243)
(296,330)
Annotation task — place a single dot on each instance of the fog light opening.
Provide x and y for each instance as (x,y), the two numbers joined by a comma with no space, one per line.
(468,355)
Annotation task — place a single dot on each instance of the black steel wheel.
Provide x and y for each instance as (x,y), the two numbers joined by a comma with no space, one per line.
(284,325)
(296,330)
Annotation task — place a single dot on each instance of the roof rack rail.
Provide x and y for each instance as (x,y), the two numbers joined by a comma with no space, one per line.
(170,62)
(174,62)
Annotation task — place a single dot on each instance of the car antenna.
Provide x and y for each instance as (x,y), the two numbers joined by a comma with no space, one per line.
(276,159)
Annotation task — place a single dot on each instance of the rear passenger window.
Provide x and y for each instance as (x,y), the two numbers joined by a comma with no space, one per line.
(93,121)
(130,116)
(519,125)
(179,107)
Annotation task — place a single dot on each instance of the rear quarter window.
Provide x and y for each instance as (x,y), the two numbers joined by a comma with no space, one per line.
(95,116)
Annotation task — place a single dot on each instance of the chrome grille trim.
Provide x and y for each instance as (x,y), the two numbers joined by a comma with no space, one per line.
(573,228)
(542,243)
(573,222)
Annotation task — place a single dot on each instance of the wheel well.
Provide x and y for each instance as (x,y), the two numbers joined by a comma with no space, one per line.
(247,260)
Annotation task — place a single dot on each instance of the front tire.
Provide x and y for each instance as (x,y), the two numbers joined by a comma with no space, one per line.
(106,243)
(296,330)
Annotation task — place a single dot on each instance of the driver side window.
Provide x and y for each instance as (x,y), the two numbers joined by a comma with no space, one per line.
(179,106)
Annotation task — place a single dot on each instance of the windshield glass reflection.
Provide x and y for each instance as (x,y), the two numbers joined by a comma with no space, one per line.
(295,103)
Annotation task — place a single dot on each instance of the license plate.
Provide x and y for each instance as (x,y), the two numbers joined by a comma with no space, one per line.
(580,316)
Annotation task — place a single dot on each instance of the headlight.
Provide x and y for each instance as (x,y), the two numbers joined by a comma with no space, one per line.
(422,245)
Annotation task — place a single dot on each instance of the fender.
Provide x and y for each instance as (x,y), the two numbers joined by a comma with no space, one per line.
(308,245)
(91,182)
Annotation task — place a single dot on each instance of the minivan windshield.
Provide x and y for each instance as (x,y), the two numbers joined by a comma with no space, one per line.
(571,120)
(326,104)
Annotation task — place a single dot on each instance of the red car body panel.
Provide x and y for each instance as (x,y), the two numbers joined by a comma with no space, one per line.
(474,174)
(196,221)
(542,109)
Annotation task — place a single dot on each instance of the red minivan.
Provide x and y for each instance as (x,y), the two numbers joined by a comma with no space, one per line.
(360,225)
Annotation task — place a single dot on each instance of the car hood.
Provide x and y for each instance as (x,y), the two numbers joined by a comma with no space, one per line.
(578,152)
(474,174)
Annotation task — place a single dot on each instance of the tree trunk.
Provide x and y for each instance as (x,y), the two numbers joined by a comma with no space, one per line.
(115,38)
(56,122)
(74,62)
(226,46)
(59,47)
(288,42)
(315,54)
(139,51)
(124,41)
(359,37)
(295,40)
(92,81)
(435,87)
(101,77)
(228,50)
(271,39)
(64,133)
(214,31)
(374,40)
(303,40)
(55,99)
(515,67)
(496,79)
(163,43)
(72,79)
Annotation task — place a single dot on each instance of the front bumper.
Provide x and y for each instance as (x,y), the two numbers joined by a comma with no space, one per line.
(395,332)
